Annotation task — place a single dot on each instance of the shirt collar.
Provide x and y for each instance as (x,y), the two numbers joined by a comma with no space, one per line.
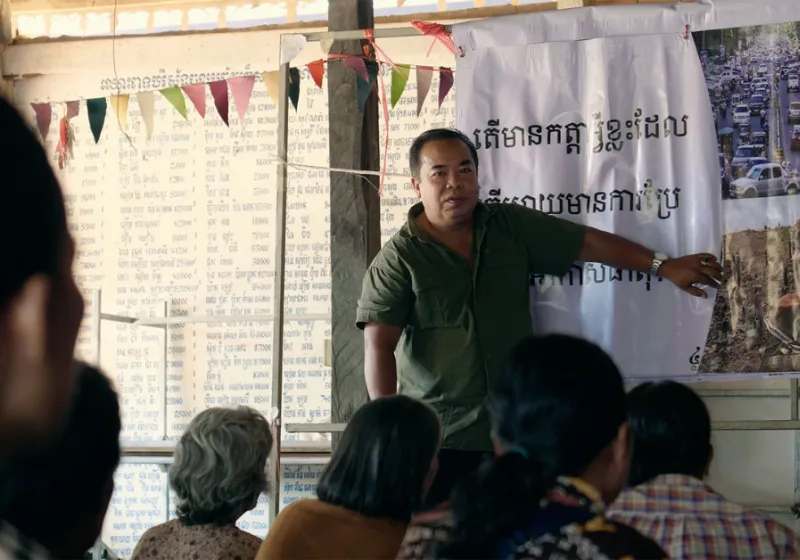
(586,494)
(675,479)
(412,229)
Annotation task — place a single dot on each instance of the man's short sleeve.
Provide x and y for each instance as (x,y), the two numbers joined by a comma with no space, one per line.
(553,244)
(386,294)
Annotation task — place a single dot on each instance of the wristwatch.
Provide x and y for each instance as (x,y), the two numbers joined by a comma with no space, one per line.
(658,260)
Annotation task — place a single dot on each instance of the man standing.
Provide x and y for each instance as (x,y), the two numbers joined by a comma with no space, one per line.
(448,296)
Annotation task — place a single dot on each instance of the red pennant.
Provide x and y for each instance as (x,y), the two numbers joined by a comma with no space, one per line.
(197,95)
(317,69)
(44,115)
(242,91)
(73,108)
(219,90)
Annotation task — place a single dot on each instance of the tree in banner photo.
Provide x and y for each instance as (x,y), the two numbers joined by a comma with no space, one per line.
(618,137)
(753,83)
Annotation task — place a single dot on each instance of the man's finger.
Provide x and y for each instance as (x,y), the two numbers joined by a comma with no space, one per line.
(713,273)
(697,292)
(706,281)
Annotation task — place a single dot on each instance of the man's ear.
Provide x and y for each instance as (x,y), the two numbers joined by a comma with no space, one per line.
(416,186)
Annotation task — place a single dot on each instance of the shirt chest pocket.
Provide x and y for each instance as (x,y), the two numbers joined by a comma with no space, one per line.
(440,301)
(502,268)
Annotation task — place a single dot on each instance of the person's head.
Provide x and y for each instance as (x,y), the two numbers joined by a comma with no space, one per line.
(220,465)
(558,409)
(58,493)
(386,459)
(671,431)
(40,305)
(444,174)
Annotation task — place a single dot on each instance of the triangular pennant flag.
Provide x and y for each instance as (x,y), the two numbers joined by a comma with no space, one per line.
(363,89)
(294,86)
(399,80)
(175,97)
(73,108)
(96,109)
(356,64)
(219,91)
(147,105)
(272,82)
(317,70)
(44,116)
(326,44)
(242,91)
(424,78)
(197,95)
(445,83)
(119,104)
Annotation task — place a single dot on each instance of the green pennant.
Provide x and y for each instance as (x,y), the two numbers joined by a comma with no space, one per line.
(96,109)
(175,96)
(363,89)
(399,80)
(294,86)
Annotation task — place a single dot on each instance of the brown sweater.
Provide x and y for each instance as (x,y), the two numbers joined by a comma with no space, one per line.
(310,529)
(174,541)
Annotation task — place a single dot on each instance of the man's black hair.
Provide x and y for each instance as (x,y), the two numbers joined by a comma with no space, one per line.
(434,135)
(671,431)
(33,222)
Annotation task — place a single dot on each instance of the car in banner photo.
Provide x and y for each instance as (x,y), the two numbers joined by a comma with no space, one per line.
(760,141)
(767,179)
(757,104)
(796,138)
(741,114)
(793,83)
(793,115)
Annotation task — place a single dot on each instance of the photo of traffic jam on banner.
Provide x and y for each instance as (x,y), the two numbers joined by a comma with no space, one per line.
(753,81)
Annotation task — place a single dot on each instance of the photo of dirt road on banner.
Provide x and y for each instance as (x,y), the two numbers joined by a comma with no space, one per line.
(753,81)
(756,321)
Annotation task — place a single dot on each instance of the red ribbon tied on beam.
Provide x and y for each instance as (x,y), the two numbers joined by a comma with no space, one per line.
(369,35)
(439,33)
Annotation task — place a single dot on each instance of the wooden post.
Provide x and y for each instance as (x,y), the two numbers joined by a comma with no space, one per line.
(5,39)
(355,207)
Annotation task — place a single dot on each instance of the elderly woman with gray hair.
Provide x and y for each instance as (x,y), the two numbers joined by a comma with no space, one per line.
(218,473)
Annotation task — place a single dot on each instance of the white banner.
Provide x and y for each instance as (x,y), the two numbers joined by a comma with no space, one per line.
(616,134)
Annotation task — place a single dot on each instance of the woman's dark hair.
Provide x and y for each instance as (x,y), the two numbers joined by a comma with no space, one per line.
(558,404)
(671,431)
(70,477)
(435,135)
(381,463)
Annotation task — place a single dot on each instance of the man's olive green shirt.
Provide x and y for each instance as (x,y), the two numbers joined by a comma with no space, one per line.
(460,322)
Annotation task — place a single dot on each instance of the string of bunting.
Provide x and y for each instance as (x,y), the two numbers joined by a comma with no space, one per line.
(366,68)
(241,90)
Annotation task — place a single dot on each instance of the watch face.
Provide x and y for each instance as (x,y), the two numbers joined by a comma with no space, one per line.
(661,256)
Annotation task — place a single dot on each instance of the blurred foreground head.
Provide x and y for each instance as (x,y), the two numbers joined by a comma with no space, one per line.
(58,493)
(40,305)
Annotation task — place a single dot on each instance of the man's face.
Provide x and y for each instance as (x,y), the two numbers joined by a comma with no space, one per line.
(37,340)
(448,182)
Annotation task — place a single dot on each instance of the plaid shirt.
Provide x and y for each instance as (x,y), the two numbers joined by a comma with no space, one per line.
(692,522)
(15,546)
